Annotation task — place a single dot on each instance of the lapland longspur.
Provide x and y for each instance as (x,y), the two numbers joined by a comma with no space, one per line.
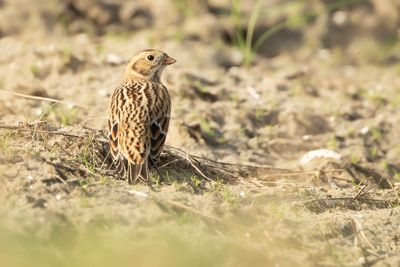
(139,115)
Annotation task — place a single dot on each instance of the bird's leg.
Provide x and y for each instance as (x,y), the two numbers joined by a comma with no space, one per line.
(160,175)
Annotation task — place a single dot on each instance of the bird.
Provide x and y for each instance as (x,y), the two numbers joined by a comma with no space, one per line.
(139,114)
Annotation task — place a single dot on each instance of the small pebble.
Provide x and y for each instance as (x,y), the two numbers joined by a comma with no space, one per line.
(103,92)
(114,59)
(253,92)
(319,153)
(70,105)
(339,18)
(137,193)
(364,130)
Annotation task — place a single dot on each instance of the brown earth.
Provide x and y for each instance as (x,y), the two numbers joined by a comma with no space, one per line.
(239,195)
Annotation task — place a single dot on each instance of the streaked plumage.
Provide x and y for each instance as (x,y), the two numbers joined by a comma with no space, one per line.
(139,115)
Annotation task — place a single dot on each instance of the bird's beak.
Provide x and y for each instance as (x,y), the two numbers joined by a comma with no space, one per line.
(168,60)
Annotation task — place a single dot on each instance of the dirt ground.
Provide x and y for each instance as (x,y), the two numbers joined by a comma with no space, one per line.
(240,186)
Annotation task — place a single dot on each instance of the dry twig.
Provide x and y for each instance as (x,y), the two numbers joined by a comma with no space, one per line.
(41,98)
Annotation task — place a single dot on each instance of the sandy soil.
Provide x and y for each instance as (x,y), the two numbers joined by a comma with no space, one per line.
(245,199)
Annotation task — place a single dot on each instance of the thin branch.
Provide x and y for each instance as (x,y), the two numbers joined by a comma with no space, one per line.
(169,163)
(197,168)
(361,237)
(41,98)
(18,128)
(360,192)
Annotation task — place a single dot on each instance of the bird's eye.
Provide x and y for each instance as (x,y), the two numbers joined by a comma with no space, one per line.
(150,57)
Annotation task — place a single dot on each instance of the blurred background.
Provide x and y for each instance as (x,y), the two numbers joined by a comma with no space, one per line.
(268,28)
(257,82)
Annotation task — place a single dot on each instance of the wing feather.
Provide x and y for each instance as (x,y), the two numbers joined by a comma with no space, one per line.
(159,126)
(128,132)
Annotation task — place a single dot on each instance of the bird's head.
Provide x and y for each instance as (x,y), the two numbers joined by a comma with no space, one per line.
(148,65)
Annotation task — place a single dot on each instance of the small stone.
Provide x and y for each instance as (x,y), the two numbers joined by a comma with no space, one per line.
(114,59)
(319,153)
(339,18)
(70,105)
(104,92)
(364,130)
(253,92)
(138,193)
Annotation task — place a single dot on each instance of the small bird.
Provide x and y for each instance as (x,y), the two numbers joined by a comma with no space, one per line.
(139,115)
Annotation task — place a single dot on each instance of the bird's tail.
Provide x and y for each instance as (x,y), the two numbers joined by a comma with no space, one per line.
(120,165)
(138,172)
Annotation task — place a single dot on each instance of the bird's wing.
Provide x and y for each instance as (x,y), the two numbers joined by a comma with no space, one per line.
(159,125)
(129,135)
(113,124)
(159,129)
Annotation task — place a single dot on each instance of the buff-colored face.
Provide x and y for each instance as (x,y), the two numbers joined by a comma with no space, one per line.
(148,64)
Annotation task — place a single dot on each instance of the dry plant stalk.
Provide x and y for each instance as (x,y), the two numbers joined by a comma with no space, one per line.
(41,98)
(362,241)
